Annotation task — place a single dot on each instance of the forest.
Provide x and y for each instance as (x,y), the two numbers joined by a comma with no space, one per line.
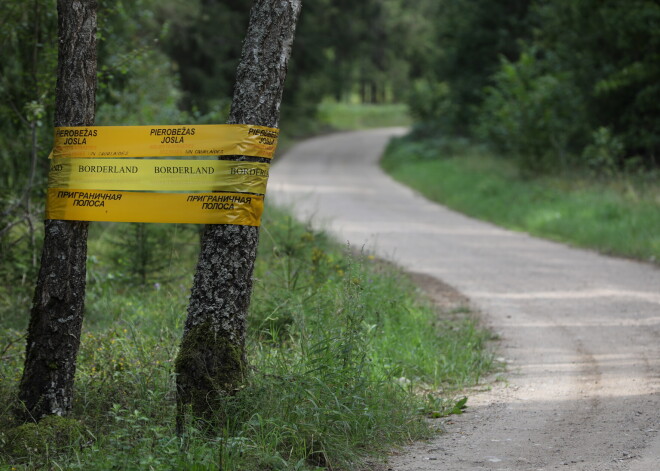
(553,89)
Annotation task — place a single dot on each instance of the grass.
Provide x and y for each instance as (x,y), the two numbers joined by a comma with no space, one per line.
(348,116)
(343,352)
(618,215)
(332,117)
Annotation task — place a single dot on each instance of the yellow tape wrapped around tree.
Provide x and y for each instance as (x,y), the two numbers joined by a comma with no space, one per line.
(99,173)
(165,141)
(158,175)
(129,206)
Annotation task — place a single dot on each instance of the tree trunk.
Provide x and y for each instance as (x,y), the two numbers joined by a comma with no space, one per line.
(211,362)
(57,312)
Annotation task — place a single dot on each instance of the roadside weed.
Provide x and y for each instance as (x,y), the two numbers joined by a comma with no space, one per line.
(343,355)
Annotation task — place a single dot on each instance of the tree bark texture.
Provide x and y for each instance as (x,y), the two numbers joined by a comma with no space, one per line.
(211,361)
(53,338)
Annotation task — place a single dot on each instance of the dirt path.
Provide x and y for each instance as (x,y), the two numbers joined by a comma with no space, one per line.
(580,331)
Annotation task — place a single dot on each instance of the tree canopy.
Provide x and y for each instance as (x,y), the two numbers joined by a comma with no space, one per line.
(552,83)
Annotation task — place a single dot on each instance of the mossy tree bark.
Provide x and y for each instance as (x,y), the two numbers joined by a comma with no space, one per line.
(53,338)
(211,362)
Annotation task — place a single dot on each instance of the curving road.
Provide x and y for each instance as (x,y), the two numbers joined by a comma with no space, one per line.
(580,331)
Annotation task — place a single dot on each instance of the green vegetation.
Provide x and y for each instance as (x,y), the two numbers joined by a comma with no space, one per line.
(351,116)
(565,92)
(544,83)
(50,436)
(541,116)
(617,214)
(342,355)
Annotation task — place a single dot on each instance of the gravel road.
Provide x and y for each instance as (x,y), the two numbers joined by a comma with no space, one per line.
(580,331)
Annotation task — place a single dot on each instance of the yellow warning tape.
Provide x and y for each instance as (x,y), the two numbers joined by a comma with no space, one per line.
(160,175)
(118,206)
(165,141)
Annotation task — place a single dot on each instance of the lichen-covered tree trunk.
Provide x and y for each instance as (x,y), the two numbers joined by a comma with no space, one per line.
(211,361)
(56,318)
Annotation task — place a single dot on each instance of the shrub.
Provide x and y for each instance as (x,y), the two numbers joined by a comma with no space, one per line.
(532,115)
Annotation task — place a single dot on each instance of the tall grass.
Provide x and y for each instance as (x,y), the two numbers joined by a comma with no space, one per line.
(339,346)
(617,215)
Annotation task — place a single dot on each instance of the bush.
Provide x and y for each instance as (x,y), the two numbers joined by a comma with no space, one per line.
(430,101)
(604,154)
(533,115)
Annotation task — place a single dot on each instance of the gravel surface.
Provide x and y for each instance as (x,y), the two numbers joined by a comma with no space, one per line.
(580,331)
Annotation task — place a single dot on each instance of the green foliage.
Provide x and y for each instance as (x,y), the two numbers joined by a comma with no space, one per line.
(604,154)
(532,115)
(540,79)
(141,252)
(617,215)
(394,334)
(203,38)
(137,85)
(340,350)
(137,82)
(344,50)
(430,102)
(345,116)
(467,39)
(27,83)
(436,407)
(611,49)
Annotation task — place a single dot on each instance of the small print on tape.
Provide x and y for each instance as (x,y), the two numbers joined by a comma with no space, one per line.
(118,206)
(165,141)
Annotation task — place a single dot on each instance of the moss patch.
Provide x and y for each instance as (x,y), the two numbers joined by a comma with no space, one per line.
(51,435)
(209,367)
